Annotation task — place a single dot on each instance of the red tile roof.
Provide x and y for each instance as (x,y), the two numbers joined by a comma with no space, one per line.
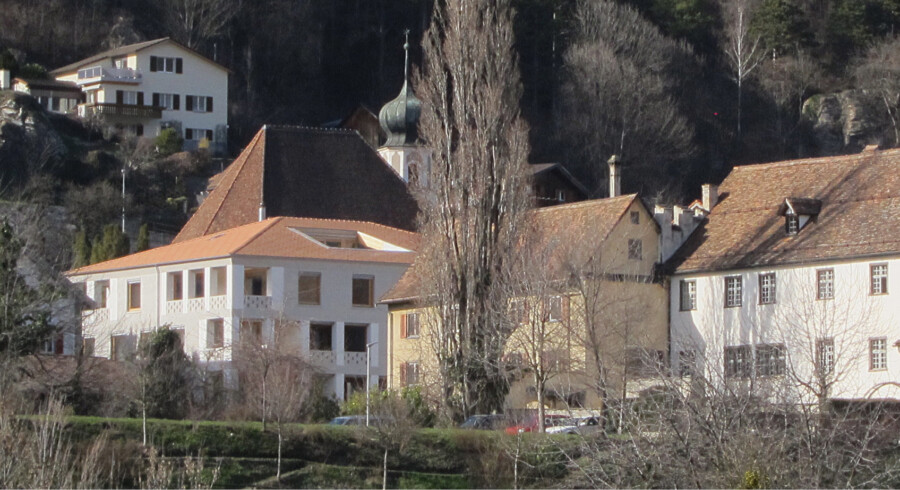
(308,172)
(274,237)
(566,231)
(859,215)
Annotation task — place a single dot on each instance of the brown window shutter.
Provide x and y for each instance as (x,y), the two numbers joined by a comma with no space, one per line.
(403,324)
(140,98)
(189,103)
(153,63)
(120,97)
(209,134)
(175,101)
(403,368)
(178,65)
(565,308)
(188,134)
(209,106)
(155,99)
(59,345)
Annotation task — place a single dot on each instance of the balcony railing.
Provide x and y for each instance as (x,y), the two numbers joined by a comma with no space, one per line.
(259,302)
(321,357)
(355,358)
(95,317)
(127,110)
(101,74)
(195,304)
(218,302)
(174,306)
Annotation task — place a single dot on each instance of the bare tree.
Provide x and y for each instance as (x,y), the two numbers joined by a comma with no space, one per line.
(743,50)
(620,92)
(194,22)
(788,79)
(479,191)
(880,72)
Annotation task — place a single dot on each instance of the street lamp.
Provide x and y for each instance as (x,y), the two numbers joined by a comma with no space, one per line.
(368,378)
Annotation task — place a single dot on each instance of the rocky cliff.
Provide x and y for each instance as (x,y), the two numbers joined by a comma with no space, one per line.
(845,122)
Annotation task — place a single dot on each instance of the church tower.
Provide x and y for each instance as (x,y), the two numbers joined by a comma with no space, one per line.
(400,119)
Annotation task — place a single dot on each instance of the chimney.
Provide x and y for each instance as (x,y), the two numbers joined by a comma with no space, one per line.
(710,196)
(262,211)
(4,80)
(615,178)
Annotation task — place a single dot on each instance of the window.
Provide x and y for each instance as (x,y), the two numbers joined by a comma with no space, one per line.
(320,336)
(878,354)
(194,134)
(409,325)
(687,363)
(733,291)
(197,283)
(688,295)
(252,331)
(355,338)
(121,347)
(362,291)
(176,290)
(179,331)
(879,278)
(791,224)
(198,103)
(134,295)
(171,102)
(770,359)
(215,333)
(634,248)
(129,97)
(409,373)
(825,284)
(825,356)
(87,346)
(643,363)
(767,288)
(54,345)
(166,64)
(101,293)
(737,361)
(309,288)
(255,282)
(635,217)
(555,309)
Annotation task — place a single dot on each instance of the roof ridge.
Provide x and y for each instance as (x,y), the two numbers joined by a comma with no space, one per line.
(309,129)
(830,202)
(372,223)
(817,160)
(585,203)
(246,157)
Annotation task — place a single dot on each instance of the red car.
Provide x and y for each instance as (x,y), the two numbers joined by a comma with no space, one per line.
(531,425)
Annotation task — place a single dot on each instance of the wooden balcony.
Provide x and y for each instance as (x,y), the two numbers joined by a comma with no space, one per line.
(126,110)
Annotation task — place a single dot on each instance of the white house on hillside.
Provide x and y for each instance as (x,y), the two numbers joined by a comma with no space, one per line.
(315,278)
(148,86)
(791,285)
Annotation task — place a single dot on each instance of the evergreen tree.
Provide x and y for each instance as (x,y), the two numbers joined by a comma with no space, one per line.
(81,250)
(165,375)
(781,26)
(24,314)
(143,239)
(114,243)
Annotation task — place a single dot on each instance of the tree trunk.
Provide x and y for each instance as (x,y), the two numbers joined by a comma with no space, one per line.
(384,477)
(539,386)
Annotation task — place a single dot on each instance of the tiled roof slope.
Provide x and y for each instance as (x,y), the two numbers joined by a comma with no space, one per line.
(273,237)
(308,172)
(859,217)
(569,231)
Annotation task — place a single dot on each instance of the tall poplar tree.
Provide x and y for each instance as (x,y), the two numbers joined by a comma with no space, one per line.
(478,195)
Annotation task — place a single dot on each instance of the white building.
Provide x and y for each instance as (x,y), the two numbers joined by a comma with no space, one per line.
(148,86)
(791,284)
(320,276)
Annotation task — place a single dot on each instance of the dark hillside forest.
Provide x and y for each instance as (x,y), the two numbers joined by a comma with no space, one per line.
(682,90)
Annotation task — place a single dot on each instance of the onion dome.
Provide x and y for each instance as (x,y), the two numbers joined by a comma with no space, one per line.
(400,117)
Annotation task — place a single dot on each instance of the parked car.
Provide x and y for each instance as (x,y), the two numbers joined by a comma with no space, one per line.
(485,422)
(359,420)
(531,425)
(582,426)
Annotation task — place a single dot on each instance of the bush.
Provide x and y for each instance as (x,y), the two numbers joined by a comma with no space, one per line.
(169,142)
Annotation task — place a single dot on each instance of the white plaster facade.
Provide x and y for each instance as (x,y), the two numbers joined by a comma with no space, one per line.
(133,89)
(840,323)
(228,295)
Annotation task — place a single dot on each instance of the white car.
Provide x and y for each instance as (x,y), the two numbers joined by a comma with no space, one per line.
(583,426)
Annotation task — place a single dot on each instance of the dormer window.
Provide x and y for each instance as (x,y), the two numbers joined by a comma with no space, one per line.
(797,212)
(792,224)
